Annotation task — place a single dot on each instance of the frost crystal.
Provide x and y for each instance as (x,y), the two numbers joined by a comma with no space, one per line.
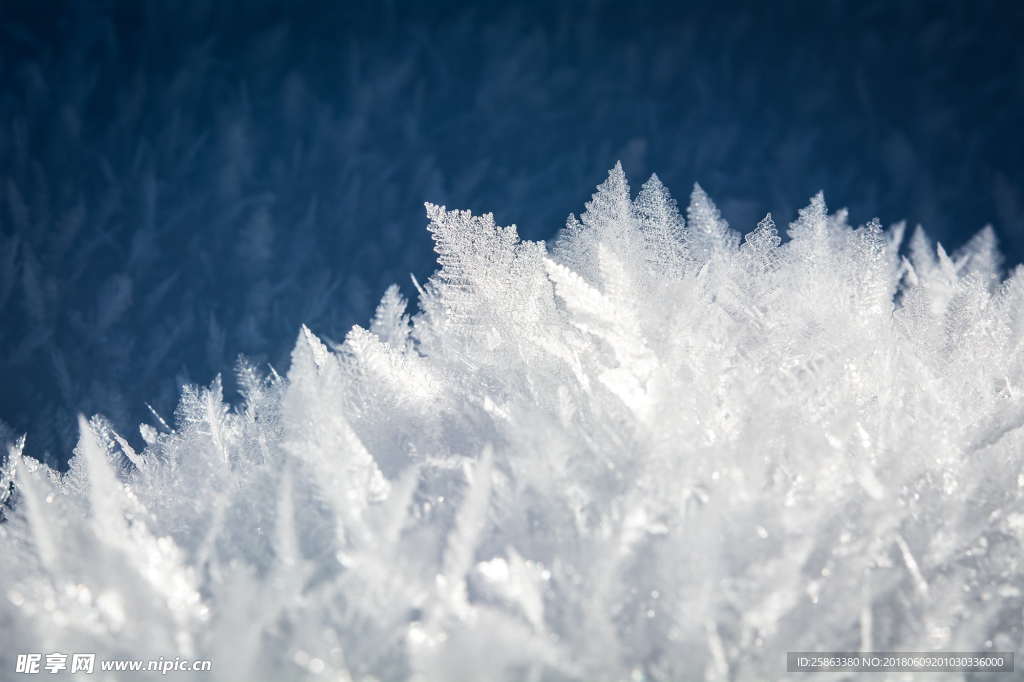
(652,452)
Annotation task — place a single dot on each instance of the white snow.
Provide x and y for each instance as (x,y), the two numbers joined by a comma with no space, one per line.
(646,452)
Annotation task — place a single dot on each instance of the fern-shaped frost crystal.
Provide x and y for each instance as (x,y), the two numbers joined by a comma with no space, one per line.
(654,451)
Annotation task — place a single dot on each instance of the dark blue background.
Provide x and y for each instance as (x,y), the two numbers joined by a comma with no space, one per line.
(181,182)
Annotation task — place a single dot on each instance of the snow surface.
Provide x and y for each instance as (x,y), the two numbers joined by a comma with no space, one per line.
(648,451)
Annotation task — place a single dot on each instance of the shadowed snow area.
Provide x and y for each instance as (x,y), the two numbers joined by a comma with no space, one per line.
(650,450)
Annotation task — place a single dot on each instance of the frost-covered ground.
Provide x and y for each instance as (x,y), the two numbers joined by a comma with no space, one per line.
(184,181)
(647,451)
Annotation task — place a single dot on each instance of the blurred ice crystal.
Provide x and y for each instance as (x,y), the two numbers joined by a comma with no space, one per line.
(183,182)
(651,451)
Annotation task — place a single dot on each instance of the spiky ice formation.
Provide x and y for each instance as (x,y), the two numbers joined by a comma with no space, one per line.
(650,452)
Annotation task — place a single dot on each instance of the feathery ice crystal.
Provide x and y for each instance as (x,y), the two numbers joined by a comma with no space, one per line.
(652,451)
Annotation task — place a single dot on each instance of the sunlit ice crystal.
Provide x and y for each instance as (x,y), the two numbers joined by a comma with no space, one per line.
(655,449)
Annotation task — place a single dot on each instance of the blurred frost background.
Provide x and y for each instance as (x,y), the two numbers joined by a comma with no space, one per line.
(184,182)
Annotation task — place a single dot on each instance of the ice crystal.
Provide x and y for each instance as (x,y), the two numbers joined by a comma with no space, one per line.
(653,451)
